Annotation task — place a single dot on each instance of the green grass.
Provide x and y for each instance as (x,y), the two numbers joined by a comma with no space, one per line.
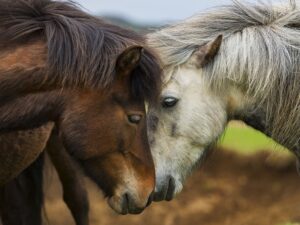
(244,139)
(290,224)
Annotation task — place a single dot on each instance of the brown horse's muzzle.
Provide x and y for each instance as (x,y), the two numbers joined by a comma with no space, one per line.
(135,192)
(127,181)
(129,203)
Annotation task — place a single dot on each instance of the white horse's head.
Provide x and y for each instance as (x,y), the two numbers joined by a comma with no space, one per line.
(189,118)
(252,74)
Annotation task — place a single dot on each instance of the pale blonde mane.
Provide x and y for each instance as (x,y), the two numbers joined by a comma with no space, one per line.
(260,52)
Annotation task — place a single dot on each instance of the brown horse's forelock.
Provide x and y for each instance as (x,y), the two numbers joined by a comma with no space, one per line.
(82,49)
(146,78)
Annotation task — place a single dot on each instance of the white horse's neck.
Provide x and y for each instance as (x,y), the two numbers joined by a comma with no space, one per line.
(242,107)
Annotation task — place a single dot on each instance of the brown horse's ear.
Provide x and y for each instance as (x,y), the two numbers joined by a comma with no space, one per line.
(206,53)
(129,59)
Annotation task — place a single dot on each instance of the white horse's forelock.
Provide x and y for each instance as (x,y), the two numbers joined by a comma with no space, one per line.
(260,52)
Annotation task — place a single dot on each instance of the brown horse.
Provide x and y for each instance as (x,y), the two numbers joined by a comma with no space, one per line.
(103,128)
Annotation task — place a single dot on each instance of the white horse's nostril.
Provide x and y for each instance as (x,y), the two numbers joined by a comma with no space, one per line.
(166,191)
(171,189)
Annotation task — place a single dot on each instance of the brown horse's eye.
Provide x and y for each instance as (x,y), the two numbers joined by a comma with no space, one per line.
(135,118)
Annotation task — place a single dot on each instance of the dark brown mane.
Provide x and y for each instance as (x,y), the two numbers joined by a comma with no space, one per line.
(146,78)
(82,49)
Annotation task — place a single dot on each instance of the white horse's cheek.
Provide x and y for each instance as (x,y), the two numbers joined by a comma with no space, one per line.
(212,127)
(204,121)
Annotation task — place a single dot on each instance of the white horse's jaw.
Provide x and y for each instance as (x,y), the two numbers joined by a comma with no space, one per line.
(170,181)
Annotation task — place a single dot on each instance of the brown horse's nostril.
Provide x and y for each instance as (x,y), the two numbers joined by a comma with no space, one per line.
(129,206)
(125,204)
(150,199)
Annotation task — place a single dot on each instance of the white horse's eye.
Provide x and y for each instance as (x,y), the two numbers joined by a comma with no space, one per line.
(134,118)
(169,102)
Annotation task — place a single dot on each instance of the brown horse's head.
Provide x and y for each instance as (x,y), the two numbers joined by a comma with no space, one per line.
(106,131)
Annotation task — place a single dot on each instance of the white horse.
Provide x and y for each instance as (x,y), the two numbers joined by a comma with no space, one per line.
(240,61)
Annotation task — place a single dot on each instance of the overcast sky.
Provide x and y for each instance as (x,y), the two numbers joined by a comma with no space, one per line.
(149,11)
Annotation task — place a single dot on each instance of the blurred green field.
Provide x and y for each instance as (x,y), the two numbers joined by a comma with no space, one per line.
(290,224)
(244,139)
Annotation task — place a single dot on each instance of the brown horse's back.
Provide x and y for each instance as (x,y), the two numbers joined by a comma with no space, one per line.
(19,149)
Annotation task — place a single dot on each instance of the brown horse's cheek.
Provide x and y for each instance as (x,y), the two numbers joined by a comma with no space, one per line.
(106,171)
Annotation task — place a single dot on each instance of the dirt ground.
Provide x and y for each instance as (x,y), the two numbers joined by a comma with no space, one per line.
(230,189)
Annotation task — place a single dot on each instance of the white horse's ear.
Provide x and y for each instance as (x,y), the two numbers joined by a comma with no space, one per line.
(206,53)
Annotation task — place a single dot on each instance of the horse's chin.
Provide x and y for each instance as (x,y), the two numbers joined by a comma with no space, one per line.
(115,203)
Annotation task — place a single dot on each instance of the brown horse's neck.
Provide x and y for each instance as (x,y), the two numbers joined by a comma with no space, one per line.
(19,82)
(30,111)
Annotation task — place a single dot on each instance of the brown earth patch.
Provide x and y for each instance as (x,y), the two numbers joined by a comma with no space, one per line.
(230,189)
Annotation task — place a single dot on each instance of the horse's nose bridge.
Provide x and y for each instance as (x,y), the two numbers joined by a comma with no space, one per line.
(144,171)
(141,162)
(145,185)
(152,122)
(140,148)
